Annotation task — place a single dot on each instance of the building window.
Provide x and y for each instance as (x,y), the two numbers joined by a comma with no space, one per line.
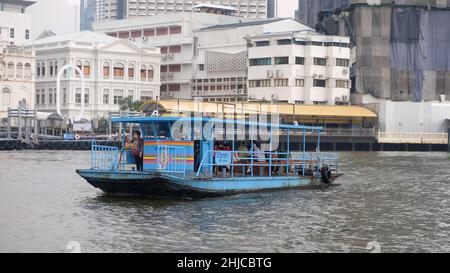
(174,87)
(162,31)
(27,34)
(38,97)
(317,43)
(145,98)
(64,95)
(50,96)
(38,69)
(143,73)
(300,60)
(87,69)
(86,98)
(299,82)
(281,60)
(319,83)
(119,70)
(175,68)
(11,33)
(341,84)
(43,96)
(136,34)
(201,67)
(106,96)
(106,70)
(78,97)
(281,82)
(320,61)
(51,68)
(284,42)
(319,102)
(259,83)
(260,61)
(124,35)
(131,71)
(342,62)
(43,69)
(163,68)
(164,50)
(117,99)
(149,32)
(175,29)
(262,43)
(80,66)
(175,49)
(150,73)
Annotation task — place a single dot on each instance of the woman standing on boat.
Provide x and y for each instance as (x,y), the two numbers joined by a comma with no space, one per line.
(138,151)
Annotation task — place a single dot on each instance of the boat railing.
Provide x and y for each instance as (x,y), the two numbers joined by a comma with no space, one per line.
(259,163)
(171,159)
(104,157)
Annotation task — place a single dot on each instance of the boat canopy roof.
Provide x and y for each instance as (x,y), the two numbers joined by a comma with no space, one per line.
(153,119)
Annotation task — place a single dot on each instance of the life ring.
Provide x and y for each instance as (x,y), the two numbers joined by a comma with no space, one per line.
(77,137)
(326,174)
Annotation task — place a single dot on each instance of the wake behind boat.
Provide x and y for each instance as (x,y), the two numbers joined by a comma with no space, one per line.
(179,164)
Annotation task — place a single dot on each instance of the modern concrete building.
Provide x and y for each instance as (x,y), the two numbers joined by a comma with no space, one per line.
(15,23)
(299,67)
(221,60)
(113,69)
(16,63)
(174,34)
(104,10)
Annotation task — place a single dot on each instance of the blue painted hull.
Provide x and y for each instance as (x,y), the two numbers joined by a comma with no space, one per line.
(159,185)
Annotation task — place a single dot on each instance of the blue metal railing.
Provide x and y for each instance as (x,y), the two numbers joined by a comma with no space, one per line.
(104,157)
(247,161)
(171,159)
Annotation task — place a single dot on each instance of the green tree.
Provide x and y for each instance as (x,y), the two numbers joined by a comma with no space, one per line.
(127,104)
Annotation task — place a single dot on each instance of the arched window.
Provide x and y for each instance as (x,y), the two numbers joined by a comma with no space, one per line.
(27,71)
(150,73)
(80,66)
(131,71)
(38,69)
(6,96)
(106,70)
(56,68)
(119,70)
(19,70)
(2,70)
(43,69)
(87,68)
(143,73)
(51,68)
(10,70)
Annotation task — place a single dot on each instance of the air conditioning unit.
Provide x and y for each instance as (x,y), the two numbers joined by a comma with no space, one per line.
(345,98)
(320,76)
(164,57)
(345,71)
(131,40)
(337,99)
(144,38)
(170,75)
(269,74)
(170,56)
(314,75)
(240,91)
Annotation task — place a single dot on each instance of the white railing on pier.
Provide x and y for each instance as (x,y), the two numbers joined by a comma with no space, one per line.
(413,138)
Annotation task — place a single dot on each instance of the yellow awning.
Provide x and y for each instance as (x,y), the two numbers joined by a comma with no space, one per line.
(173,106)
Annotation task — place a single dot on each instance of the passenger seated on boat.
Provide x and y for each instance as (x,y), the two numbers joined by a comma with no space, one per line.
(227,148)
(138,150)
(275,168)
(241,156)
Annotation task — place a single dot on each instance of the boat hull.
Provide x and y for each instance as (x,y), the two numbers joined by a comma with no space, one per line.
(157,185)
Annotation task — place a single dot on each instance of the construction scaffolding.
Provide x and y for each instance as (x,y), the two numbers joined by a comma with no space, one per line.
(402,47)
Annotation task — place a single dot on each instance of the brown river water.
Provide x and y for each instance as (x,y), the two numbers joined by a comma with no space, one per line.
(395,201)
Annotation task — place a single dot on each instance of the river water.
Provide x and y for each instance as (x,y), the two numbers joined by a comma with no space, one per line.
(397,201)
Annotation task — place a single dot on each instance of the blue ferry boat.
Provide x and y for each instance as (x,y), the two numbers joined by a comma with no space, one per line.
(181,159)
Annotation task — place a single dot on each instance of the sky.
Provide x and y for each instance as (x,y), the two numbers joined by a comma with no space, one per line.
(62,16)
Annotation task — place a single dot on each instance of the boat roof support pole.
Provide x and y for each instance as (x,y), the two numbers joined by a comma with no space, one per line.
(304,152)
(288,149)
(318,140)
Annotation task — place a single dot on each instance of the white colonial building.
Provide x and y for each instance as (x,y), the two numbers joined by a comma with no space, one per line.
(113,69)
(16,63)
(301,67)
(221,60)
(174,34)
